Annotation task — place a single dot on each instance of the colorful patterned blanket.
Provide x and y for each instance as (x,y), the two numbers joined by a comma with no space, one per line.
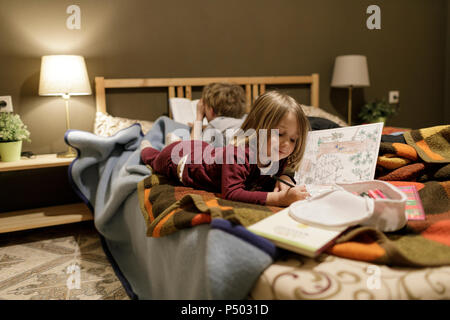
(421,158)
(419,244)
(419,155)
(168,207)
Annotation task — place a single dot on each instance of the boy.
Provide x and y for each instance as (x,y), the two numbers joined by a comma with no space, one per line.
(223,105)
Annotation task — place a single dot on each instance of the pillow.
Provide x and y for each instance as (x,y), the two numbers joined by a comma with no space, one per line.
(106,125)
(317,112)
(318,123)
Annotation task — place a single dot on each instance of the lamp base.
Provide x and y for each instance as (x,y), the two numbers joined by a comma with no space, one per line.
(70,153)
(349,110)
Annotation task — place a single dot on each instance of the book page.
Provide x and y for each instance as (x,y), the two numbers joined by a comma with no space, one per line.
(184,110)
(181,109)
(290,234)
(341,155)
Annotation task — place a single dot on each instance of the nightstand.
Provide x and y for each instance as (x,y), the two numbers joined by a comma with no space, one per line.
(45,182)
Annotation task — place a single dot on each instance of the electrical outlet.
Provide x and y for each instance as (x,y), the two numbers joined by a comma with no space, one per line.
(394,96)
(6,104)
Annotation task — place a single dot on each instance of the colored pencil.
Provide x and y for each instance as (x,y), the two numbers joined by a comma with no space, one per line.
(372,194)
(380,193)
(282,181)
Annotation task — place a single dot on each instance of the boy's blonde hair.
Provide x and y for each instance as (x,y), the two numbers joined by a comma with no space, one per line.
(226,99)
(267,112)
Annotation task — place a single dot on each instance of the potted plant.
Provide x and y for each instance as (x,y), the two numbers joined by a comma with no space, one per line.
(12,133)
(377,111)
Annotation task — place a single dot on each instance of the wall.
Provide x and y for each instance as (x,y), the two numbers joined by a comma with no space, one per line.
(447,68)
(196,38)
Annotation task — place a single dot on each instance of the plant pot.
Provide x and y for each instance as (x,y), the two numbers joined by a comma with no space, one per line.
(10,151)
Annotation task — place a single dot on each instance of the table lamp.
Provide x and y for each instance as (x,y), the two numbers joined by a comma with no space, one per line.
(350,71)
(64,75)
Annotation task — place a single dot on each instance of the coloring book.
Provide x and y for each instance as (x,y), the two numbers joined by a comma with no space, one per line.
(341,155)
(292,235)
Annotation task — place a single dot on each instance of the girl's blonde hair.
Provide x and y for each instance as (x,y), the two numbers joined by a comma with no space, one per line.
(267,112)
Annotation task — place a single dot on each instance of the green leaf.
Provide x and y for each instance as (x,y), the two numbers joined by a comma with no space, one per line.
(12,128)
(376,109)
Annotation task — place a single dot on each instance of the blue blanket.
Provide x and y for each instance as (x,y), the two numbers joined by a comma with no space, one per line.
(196,263)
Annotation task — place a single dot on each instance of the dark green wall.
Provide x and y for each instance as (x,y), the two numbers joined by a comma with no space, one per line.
(140,38)
(447,68)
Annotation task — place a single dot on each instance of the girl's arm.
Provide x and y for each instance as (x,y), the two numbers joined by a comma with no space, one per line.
(233,185)
(234,177)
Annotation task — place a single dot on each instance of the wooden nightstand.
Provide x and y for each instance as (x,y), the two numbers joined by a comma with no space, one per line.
(43,216)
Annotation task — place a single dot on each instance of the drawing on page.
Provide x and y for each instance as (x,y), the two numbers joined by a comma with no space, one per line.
(340,155)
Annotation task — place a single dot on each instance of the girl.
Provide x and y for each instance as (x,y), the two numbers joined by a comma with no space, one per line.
(231,170)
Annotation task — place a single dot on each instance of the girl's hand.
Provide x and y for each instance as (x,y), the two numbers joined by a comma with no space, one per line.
(286,197)
(279,186)
(295,194)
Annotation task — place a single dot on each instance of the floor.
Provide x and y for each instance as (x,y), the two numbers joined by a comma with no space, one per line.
(57,263)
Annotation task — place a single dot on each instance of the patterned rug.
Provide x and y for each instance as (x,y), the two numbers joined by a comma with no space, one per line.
(57,263)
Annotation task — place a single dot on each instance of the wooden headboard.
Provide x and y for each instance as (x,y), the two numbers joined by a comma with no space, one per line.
(182,87)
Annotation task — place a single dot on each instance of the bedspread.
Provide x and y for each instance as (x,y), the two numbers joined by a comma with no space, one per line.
(196,263)
(168,207)
(329,278)
(422,158)
(206,252)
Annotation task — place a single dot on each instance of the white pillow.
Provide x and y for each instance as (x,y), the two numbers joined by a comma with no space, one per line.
(317,112)
(106,125)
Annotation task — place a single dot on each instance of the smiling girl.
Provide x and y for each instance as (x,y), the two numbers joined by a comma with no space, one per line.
(231,170)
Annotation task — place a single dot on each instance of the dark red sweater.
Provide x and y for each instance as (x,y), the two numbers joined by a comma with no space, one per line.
(239,181)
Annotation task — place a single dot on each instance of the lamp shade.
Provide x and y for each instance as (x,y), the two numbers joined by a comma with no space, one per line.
(64,75)
(350,70)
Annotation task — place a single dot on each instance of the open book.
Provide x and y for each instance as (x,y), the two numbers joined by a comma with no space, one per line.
(341,155)
(289,234)
(184,110)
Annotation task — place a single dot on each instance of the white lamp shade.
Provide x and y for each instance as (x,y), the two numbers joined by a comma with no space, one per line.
(350,70)
(64,75)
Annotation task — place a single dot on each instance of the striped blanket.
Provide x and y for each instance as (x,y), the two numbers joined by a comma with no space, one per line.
(168,207)
(419,155)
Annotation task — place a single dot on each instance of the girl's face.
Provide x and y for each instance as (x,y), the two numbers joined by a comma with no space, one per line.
(288,136)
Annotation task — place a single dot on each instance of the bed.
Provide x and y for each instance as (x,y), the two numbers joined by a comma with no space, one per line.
(202,254)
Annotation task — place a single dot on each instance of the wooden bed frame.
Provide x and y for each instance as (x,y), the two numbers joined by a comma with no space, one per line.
(182,87)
